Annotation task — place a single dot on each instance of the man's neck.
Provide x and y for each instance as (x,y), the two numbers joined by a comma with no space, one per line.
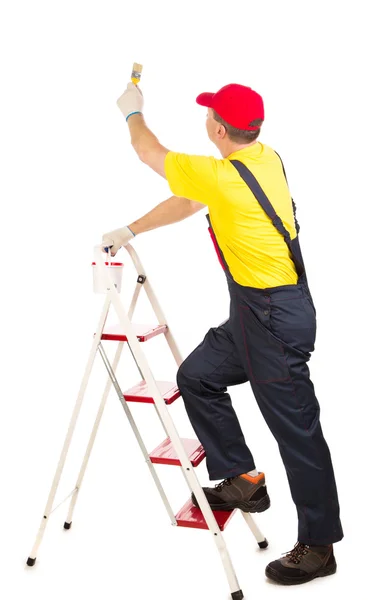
(231,147)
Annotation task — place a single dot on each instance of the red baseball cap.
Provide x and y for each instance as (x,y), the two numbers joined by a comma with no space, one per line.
(237,104)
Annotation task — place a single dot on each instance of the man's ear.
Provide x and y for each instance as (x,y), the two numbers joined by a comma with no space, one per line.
(220,131)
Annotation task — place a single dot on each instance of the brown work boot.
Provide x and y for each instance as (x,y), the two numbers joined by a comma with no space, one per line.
(302,564)
(244,491)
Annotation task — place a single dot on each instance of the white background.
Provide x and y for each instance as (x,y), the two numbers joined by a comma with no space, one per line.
(68,173)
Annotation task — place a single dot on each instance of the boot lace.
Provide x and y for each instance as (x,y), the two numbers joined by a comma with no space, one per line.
(219,486)
(297,553)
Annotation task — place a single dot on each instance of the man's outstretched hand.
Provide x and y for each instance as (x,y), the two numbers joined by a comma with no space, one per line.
(117,238)
(131,101)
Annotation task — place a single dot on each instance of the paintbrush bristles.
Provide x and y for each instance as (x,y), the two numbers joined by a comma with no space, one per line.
(136,73)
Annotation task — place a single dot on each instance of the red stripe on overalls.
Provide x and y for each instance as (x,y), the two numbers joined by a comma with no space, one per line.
(218,252)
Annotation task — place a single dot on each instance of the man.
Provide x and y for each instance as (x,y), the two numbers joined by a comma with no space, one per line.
(271,329)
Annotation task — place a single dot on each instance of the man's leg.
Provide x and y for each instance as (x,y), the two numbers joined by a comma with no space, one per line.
(276,337)
(203,379)
(275,333)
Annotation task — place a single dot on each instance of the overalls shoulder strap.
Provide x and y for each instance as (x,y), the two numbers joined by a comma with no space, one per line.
(253,184)
(266,205)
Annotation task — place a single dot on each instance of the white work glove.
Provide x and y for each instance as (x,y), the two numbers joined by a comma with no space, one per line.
(117,238)
(131,101)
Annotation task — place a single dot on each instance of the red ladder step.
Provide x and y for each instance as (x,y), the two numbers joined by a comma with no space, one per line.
(165,454)
(143,332)
(190,516)
(140,393)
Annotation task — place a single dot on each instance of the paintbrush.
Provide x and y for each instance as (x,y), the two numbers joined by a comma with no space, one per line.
(136,73)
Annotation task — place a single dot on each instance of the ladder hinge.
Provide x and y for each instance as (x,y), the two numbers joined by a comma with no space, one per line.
(141,278)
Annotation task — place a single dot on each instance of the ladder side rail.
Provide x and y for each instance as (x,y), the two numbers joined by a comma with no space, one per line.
(140,270)
(155,305)
(157,310)
(101,257)
(92,438)
(187,468)
(254,528)
(161,421)
(70,432)
(134,299)
(128,330)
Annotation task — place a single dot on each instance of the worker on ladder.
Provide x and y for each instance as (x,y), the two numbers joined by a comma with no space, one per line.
(271,329)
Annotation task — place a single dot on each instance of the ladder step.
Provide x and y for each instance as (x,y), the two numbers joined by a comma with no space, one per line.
(143,332)
(191,516)
(140,393)
(165,454)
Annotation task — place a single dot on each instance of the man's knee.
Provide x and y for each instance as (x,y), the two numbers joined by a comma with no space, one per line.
(188,373)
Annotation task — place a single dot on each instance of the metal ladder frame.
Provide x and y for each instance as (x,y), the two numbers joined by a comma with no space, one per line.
(113,297)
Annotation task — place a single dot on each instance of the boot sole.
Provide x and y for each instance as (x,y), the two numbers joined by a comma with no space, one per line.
(251,506)
(323,572)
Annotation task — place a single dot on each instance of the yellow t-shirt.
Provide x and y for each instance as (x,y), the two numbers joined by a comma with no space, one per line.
(255,252)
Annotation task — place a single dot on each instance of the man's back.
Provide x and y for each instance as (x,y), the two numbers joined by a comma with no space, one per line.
(254,250)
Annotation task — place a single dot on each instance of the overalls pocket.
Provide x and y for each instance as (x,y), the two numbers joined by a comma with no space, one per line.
(293,321)
(263,353)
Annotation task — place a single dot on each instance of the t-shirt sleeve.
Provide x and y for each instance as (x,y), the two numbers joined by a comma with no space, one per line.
(192,177)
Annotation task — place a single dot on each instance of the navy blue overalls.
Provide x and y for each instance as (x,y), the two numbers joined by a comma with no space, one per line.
(267,341)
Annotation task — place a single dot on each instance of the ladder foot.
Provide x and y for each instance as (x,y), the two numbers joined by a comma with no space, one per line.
(237,595)
(263,544)
(67,525)
(31,562)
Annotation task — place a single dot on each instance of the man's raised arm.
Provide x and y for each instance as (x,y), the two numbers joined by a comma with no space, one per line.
(145,143)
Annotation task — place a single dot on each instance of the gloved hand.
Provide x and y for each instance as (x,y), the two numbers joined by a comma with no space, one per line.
(117,238)
(131,101)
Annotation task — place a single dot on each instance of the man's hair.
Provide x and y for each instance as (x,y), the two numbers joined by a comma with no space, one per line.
(240,136)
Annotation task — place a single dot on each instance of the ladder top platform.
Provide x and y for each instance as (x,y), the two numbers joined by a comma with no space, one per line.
(143,332)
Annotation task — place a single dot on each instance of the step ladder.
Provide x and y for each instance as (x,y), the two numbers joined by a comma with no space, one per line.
(184,453)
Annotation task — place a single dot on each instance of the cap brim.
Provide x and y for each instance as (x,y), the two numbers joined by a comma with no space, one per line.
(205,99)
